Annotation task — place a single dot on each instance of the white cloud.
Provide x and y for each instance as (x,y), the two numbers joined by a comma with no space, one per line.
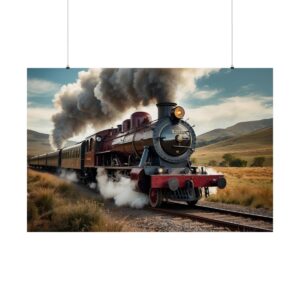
(231,111)
(39,119)
(205,94)
(188,84)
(39,87)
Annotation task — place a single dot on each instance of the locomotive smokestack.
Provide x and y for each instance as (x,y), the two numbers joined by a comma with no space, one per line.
(164,109)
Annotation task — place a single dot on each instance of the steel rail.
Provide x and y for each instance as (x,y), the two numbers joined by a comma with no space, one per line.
(215,221)
(236,213)
(178,205)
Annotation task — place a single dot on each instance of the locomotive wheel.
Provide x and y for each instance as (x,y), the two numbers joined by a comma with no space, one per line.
(198,193)
(192,203)
(155,198)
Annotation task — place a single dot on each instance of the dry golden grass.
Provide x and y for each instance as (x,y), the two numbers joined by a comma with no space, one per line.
(56,205)
(247,186)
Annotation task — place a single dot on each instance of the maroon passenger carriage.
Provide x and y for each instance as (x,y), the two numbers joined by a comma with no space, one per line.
(154,154)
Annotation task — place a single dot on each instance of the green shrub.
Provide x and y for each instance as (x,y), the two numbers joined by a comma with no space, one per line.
(228,157)
(238,163)
(258,161)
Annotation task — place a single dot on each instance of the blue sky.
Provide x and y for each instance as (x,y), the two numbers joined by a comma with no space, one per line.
(226,83)
(44,83)
(220,99)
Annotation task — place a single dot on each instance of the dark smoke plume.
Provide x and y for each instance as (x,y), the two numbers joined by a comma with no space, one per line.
(100,96)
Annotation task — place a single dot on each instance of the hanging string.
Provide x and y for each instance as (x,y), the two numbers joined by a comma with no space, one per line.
(68,34)
(232,67)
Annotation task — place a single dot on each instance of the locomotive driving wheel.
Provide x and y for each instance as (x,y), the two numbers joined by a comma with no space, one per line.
(155,198)
(198,194)
(192,203)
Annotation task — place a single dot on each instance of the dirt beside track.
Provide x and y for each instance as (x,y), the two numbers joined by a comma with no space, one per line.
(143,220)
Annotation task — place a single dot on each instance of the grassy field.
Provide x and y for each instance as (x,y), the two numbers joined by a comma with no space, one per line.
(56,205)
(246,186)
(246,147)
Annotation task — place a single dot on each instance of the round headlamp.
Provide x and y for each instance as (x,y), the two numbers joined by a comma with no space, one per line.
(160,170)
(178,112)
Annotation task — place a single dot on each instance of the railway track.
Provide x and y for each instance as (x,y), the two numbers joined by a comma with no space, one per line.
(234,220)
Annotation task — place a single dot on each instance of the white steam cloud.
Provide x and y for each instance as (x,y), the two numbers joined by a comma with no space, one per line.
(121,191)
(211,171)
(69,175)
(93,185)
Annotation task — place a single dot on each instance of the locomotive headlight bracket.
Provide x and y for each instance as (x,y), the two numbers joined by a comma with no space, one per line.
(197,170)
(178,112)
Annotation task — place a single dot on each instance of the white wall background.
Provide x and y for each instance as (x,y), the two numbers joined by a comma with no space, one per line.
(137,33)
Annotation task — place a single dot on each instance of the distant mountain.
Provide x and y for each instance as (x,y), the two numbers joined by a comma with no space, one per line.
(236,130)
(246,146)
(38,143)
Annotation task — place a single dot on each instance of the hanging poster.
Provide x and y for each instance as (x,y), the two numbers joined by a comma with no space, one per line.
(150,149)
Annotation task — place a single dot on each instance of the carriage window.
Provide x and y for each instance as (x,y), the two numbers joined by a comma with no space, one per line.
(87,146)
(91,144)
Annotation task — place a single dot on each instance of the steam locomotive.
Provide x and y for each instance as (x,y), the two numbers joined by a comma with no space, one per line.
(154,154)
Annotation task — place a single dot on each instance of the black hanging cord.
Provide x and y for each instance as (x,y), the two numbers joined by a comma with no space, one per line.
(68,34)
(232,67)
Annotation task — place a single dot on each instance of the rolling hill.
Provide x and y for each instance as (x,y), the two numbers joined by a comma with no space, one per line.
(236,130)
(38,143)
(245,146)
